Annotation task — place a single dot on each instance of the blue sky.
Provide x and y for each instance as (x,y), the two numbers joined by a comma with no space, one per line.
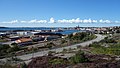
(27,10)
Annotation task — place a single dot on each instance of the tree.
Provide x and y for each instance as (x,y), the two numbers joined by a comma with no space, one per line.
(14,48)
(3,49)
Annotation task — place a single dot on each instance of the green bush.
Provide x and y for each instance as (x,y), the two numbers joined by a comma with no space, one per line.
(50,45)
(78,58)
(56,61)
(95,45)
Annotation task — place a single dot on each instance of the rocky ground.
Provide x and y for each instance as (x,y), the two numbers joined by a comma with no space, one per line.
(95,61)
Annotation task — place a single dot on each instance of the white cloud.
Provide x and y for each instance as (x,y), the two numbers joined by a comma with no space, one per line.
(107,21)
(117,21)
(42,21)
(87,21)
(63,21)
(94,21)
(13,21)
(69,21)
(104,21)
(37,21)
(23,21)
(101,21)
(33,21)
(51,20)
(77,20)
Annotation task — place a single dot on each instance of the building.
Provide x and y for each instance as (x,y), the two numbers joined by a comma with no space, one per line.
(24,41)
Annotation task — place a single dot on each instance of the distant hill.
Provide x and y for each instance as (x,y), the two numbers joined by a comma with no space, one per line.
(2,27)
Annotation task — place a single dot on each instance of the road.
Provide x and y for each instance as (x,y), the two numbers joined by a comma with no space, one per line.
(10,42)
(27,57)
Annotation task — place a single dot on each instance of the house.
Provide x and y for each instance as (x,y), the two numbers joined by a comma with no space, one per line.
(24,41)
(13,38)
(100,30)
(3,34)
(22,33)
(38,39)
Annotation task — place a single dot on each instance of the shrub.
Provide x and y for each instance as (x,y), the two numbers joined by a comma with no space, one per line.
(78,58)
(95,44)
(56,61)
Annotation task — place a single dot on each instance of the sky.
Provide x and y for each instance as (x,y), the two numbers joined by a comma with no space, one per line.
(59,13)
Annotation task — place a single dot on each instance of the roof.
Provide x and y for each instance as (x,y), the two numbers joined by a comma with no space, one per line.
(23,40)
(14,36)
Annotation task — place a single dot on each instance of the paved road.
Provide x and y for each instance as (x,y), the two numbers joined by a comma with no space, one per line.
(10,42)
(29,56)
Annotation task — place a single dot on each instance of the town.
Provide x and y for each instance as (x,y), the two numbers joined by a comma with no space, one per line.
(29,37)
(23,47)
